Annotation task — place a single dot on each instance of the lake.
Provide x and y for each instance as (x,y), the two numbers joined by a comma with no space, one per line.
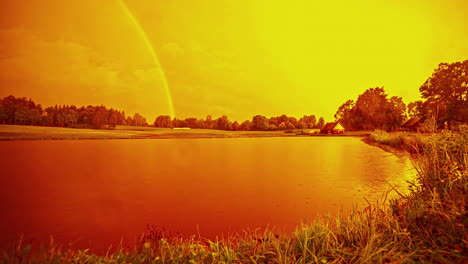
(93,193)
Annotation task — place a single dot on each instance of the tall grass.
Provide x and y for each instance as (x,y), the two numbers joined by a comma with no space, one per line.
(411,142)
(429,225)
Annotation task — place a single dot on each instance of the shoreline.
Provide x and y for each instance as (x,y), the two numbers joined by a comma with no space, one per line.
(19,133)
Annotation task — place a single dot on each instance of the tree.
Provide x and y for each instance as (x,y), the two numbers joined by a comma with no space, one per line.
(162,121)
(292,121)
(416,109)
(192,122)
(246,126)
(114,118)
(283,119)
(99,118)
(209,122)
(396,113)
(3,114)
(260,123)
(282,126)
(290,125)
(344,114)
(447,91)
(320,123)
(371,109)
(139,120)
(69,117)
(9,109)
(223,123)
(235,126)
(310,121)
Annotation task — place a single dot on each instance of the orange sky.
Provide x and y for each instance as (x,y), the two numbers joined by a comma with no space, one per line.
(238,58)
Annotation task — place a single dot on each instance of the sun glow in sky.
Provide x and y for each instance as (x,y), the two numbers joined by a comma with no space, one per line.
(225,57)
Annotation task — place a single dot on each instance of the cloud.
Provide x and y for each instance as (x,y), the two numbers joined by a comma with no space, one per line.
(61,71)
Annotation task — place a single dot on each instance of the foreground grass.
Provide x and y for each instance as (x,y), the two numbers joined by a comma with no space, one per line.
(429,225)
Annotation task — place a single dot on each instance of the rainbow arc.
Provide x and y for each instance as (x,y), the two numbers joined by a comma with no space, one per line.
(152,52)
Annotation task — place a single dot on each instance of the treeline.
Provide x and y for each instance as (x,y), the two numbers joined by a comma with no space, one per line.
(444,96)
(258,123)
(22,111)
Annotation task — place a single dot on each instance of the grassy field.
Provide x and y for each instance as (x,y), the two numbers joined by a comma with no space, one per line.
(429,225)
(13,132)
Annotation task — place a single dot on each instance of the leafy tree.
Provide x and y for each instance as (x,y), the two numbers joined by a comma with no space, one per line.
(99,117)
(260,123)
(283,119)
(3,114)
(176,122)
(68,117)
(139,120)
(372,110)
(309,121)
(162,121)
(192,122)
(114,118)
(282,126)
(447,91)
(129,121)
(209,122)
(416,109)
(345,114)
(223,123)
(292,121)
(321,122)
(235,126)
(246,126)
(396,113)
(290,125)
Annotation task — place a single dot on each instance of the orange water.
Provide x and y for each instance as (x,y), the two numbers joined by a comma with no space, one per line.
(94,193)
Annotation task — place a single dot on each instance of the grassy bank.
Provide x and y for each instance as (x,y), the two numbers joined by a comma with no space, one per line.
(14,132)
(410,142)
(429,225)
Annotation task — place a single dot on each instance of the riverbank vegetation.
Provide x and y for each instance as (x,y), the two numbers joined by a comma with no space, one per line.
(429,225)
(410,142)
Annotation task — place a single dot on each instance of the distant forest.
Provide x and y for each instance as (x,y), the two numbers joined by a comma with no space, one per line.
(23,111)
(445,96)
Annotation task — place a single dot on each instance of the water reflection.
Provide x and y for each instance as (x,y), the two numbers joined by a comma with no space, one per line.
(96,192)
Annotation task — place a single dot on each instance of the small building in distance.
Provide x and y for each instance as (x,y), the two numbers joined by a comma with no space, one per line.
(332,128)
(413,124)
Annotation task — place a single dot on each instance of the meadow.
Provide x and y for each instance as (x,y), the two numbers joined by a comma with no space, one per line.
(17,132)
(428,225)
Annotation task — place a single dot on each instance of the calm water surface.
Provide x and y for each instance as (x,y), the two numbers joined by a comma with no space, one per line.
(93,193)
